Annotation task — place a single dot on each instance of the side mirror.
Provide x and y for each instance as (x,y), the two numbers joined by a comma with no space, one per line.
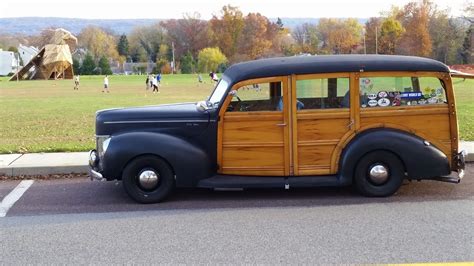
(202,106)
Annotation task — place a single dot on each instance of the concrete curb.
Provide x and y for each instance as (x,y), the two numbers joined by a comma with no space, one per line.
(43,170)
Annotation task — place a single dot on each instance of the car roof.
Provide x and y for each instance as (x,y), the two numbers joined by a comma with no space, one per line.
(282,66)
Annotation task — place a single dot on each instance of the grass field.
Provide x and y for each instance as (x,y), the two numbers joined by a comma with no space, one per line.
(48,116)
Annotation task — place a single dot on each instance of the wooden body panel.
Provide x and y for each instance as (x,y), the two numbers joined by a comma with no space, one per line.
(253,143)
(311,142)
(430,122)
(318,133)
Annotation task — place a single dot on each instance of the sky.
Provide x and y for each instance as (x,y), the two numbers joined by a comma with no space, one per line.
(116,9)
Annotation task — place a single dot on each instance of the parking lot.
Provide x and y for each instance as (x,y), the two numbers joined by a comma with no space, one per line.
(79,221)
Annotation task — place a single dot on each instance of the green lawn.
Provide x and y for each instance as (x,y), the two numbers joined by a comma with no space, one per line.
(50,116)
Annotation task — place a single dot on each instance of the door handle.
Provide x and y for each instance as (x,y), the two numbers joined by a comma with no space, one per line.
(281,125)
(350,123)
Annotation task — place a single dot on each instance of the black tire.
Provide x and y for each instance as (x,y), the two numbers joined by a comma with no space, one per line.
(132,186)
(395,169)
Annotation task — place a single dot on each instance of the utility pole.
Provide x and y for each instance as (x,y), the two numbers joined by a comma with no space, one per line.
(376,41)
(172,50)
(365,47)
(18,67)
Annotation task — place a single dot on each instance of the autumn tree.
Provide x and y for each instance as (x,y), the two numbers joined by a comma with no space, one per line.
(446,36)
(390,32)
(339,36)
(210,58)
(416,39)
(306,37)
(145,41)
(372,32)
(189,34)
(226,30)
(255,41)
(98,42)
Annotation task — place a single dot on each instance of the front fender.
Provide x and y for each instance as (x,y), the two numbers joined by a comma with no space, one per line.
(189,162)
(421,161)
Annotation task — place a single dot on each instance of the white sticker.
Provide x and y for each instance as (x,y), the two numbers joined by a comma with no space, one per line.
(422,101)
(383,94)
(372,103)
(384,102)
(372,96)
(432,100)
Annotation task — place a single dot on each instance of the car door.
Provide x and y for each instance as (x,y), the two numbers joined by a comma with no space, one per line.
(322,119)
(253,131)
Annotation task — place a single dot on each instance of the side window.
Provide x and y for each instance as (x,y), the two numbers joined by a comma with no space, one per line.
(401,91)
(257,97)
(322,93)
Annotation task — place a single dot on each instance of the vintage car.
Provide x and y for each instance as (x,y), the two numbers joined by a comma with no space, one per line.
(370,121)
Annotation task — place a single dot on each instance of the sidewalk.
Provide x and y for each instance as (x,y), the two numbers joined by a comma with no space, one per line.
(77,162)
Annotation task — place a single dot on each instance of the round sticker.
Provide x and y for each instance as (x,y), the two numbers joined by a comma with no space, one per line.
(422,101)
(372,103)
(383,94)
(414,102)
(432,100)
(364,105)
(372,96)
(384,102)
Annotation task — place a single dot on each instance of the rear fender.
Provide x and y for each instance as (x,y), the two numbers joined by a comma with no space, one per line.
(422,160)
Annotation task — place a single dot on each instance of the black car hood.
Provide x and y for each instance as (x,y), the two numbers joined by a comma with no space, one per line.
(181,119)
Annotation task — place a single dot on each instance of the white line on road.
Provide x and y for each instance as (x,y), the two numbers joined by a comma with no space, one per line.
(14,196)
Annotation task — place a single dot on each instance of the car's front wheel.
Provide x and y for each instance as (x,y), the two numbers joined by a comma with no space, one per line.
(379,174)
(148,179)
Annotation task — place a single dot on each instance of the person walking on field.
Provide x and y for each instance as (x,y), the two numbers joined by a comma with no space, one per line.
(154,82)
(76,82)
(147,82)
(106,84)
(152,77)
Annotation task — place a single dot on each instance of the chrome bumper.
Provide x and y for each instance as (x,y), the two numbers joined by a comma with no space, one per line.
(93,162)
(460,161)
(95,175)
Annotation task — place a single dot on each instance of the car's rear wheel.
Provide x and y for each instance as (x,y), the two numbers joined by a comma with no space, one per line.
(379,174)
(148,179)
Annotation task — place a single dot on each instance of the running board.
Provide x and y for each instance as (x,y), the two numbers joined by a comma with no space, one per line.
(233,181)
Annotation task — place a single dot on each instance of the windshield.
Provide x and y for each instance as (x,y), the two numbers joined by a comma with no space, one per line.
(219,92)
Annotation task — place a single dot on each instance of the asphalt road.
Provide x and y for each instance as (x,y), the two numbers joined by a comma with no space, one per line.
(79,221)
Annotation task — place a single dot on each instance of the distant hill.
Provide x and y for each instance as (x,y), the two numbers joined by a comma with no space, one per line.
(34,25)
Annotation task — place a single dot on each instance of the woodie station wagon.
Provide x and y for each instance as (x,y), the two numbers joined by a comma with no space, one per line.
(365,120)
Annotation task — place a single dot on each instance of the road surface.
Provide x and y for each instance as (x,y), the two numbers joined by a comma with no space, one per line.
(73,221)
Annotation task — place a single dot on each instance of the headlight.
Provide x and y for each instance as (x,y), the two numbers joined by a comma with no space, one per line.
(102,144)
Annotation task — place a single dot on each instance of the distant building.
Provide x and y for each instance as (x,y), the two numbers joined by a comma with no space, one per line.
(8,62)
(27,52)
(133,68)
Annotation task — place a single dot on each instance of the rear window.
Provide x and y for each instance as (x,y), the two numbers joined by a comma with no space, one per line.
(401,91)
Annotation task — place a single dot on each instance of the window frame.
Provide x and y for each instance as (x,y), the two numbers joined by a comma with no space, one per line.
(324,76)
(441,76)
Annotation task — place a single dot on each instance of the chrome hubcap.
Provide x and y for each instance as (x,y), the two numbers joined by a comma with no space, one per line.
(378,174)
(148,179)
